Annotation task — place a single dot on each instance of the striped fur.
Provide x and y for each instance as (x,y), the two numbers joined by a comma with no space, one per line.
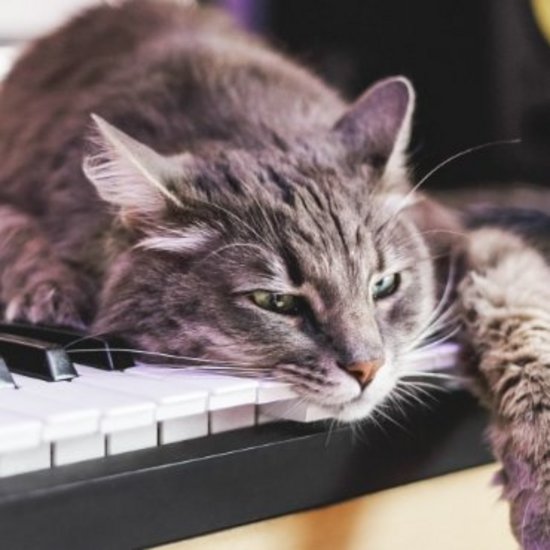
(505,304)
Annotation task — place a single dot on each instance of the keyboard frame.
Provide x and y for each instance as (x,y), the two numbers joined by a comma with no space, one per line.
(186,489)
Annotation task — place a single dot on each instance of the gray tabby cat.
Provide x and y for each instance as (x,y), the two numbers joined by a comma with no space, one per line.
(226,206)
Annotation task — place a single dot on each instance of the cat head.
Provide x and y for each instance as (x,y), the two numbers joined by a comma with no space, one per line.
(297,263)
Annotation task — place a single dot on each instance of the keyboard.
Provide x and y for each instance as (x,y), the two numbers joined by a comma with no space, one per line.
(96,447)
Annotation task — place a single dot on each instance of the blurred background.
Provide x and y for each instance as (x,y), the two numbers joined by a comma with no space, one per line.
(481,69)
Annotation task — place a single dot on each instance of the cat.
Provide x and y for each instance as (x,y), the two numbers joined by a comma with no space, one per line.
(504,302)
(224,205)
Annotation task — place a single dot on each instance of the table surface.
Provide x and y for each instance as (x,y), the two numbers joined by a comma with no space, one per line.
(459,511)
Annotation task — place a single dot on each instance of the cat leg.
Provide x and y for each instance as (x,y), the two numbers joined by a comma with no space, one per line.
(35,285)
(505,304)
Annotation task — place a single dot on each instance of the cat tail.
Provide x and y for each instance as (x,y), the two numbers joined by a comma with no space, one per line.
(505,308)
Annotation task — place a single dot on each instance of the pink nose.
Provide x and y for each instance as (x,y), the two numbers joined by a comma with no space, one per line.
(364,371)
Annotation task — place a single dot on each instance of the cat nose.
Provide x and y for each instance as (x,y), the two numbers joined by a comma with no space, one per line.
(364,371)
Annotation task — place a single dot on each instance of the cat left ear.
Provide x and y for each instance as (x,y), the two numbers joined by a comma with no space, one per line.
(129,174)
(376,128)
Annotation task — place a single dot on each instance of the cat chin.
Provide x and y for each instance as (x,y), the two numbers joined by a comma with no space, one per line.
(363,405)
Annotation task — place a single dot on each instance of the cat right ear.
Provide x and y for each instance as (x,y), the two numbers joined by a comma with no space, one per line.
(376,128)
(131,175)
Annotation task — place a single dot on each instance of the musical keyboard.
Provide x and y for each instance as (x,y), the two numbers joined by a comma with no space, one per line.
(106,443)
(91,410)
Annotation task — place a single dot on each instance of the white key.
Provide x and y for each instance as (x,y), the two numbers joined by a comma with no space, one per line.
(78,449)
(60,420)
(170,401)
(132,440)
(223,391)
(181,413)
(118,411)
(232,418)
(124,418)
(28,460)
(293,409)
(18,432)
(181,429)
(269,391)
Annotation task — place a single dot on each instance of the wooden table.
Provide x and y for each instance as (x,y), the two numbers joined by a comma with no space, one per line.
(459,511)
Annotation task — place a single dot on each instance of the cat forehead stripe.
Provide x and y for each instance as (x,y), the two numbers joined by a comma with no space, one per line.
(188,240)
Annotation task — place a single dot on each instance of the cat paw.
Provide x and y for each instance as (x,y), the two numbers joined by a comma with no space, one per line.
(45,302)
(529,520)
(489,247)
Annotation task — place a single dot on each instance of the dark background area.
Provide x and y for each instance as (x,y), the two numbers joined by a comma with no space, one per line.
(481,69)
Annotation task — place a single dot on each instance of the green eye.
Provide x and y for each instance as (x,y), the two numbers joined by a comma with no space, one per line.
(386,286)
(287,304)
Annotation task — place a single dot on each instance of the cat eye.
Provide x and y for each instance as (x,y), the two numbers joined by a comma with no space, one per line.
(287,304)
(385,286)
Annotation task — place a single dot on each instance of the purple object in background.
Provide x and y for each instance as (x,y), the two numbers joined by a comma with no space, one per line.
(251,14)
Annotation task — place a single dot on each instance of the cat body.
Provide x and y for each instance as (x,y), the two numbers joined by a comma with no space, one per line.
(226,206)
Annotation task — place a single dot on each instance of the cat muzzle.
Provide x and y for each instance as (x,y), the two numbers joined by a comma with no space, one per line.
(364,371)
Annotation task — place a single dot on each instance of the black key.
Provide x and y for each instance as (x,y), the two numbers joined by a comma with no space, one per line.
(6,379)
(100,352)
(36,358)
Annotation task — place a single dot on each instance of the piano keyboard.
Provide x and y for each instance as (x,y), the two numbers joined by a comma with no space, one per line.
(54,412)
(113,454)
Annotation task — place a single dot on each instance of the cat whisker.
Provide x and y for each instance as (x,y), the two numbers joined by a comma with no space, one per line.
(236,218)
(394,399)
(229,372)
(417,349)
(213,362)
(434,375)
(448,321)
(378,423)
(370,419)
(400,397)
(223,249)
(449,285)
(423,387)
(355,432)
(332,423)
(446,232)
(308,374)
(86,337)
(434,343)
(425,258)
(294,404)
(463,153)
(430,344)
(378,410)
(438,315)
(408,392)
(405,201)
(413,399)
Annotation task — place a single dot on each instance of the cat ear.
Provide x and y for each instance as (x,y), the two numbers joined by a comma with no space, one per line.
(376,128)
(130,175)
